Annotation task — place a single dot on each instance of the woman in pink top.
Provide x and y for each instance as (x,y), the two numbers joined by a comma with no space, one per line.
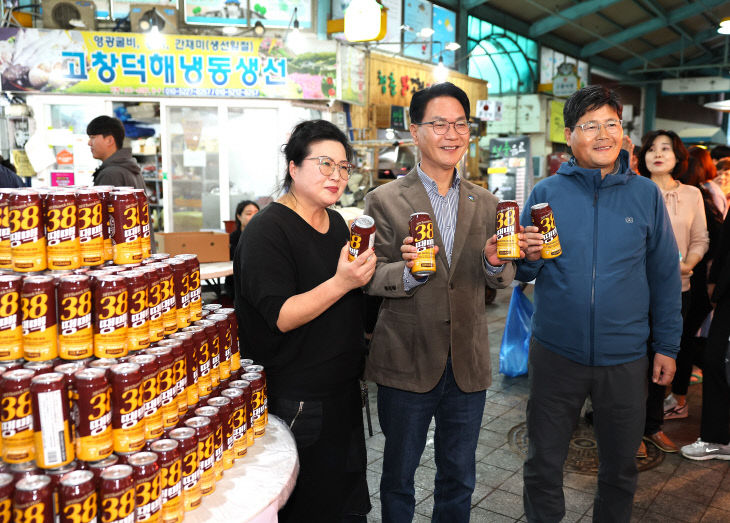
(663,158)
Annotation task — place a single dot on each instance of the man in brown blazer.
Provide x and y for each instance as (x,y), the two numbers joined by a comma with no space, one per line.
(429,353)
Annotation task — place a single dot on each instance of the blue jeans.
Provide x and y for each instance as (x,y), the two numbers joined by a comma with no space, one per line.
(404,418)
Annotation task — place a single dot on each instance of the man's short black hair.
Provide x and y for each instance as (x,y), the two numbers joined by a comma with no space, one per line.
(720,151)
(589,99)
(105,126)
(421,98)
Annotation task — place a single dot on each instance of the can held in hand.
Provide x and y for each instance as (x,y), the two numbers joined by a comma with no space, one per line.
(38,302)
(51,420)
(420,228)
(508,226)
(543,219)
(11,317)
(27,233)
(63,249)
(76,333)
(362,236)
(17,416)
(116,494)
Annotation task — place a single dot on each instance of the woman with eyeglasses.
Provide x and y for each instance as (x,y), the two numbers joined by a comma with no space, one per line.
(299,309)
(663,158)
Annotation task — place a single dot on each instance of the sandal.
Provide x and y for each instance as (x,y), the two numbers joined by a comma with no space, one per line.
(695,378)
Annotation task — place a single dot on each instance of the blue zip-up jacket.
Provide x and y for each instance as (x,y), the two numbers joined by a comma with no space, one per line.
(618,269)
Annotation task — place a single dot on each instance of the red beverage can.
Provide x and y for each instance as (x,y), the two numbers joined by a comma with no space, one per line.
(238,420)
(144,222)
(216,421)
(116,494)
(225,343)
(362,236)
(258,405)
(125,229)
(169,459)
(245,387)
(420,228)
(51,420)
(11,317)
(105,194)
(260,370)
(179,366)
(166,386)
(213,335)
(235,352)
(154,303)
(225,410)
(76,334)
(127,407)
(6,497)
(196,303)
(17,416)
(206,452)
(63,249)
(91,227)
(38,303)
(94,440)
(27,233)
(33,500)
(168,308)
(153,424)
(23,470)
(181,284)
(202,364)
(97,467)
(40,367)
(508,227)
(543,219)
(6,259)
(110,316)
(188,441)
(77,498)
(138,331)
(146,473)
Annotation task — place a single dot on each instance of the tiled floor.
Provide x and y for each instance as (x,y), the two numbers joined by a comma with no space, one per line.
(678,490)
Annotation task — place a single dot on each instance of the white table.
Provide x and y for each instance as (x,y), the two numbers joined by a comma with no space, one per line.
(258,485)
(213,273)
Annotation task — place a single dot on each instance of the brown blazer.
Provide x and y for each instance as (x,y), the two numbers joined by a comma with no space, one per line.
(415,329)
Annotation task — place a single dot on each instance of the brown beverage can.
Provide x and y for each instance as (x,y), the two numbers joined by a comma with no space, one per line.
(56,474)
(127,407)
(6,259)
(153,424)
(212,307)
(225,343)
(138,330)
(235,352)
(51,420)
(63,249)
(543,219)
(213,335)
(181,284)
(225,408)
(216,420)
(76,334)
(110,316)
(238,420)
(362,236)
(6,497)
(420,227)
(154,303)
(23,470)
(245,387)
(27,233)
(94,440)
(91,227)
(169,459)
(206,451)
(11,317)
(125,229)
(196,303)
(146,474)
(260,370)
(33,500)
(77,498)
(258,402)
(97,467)
(203,363)
(40,367)
(105,194)
(188,441)
(180,343)
(144,222)
(168,308)
(166,386)
(38,302)
(116,494)
(508,227)
(16,417)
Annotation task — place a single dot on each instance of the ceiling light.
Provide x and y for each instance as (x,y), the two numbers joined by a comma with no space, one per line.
(724,28)
(440,72)
(452,46)
(426,32)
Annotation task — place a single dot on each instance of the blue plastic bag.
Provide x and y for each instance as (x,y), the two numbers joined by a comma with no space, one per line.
(516,338)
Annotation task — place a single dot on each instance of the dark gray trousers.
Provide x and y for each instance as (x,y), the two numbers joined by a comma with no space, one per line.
(558,388)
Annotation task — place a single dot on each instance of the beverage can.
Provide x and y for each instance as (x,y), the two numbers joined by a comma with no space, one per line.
(420,229)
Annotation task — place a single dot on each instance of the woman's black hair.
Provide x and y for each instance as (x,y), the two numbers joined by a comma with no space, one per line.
(303,136)
(239,209)
(680,152)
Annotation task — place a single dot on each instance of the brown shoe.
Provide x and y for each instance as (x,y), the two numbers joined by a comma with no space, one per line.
(641,453)
(662,442)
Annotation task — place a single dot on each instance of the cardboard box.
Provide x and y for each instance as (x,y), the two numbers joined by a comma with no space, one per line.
(209,246)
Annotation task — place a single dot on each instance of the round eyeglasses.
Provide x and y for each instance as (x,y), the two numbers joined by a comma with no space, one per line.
(327,166)
(442,126)
(591,129)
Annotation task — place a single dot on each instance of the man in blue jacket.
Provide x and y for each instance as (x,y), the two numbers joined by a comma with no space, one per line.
(617,279)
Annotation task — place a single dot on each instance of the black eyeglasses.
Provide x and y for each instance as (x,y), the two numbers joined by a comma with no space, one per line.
(442,126)
(327,166)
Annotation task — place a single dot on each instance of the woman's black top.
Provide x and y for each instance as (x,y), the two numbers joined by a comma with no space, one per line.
(280,255)
(233,241)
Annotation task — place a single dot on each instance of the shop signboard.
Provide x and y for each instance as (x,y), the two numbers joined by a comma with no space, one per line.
(557,124)
(80,62)
(510,168)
